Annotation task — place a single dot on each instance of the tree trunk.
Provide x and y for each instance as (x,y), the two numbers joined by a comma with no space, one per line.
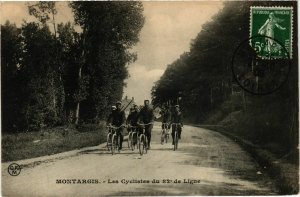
(78,102)
(53,93)
(211,97)
(244,101)
(77,113)
(79,78)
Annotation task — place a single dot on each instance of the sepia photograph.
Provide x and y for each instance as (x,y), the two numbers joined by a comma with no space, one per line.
(149,98)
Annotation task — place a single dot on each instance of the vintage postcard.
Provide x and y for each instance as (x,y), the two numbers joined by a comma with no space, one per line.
(149,98)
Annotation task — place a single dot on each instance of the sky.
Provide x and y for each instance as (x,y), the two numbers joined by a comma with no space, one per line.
(16,12)
(167,33)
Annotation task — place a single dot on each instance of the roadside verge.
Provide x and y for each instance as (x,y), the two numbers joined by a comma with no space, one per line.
(285,175)
(32,162)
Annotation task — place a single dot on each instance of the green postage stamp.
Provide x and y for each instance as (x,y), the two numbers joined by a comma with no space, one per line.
(274,26)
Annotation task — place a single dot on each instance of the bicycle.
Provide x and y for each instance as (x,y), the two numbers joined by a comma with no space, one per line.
(175,138)
(109,138)
(132,137)
(113,139)
(143,140)
(164,133)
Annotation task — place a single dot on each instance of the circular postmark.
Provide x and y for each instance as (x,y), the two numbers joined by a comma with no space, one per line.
(14,169)
(256,67)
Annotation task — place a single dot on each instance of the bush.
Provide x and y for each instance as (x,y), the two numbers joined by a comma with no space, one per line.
(88,127)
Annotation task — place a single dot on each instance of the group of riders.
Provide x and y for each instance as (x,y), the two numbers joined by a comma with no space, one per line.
(144,116)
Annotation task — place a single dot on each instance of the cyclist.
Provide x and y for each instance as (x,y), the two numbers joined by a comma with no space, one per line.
(117,119)
(129,117)
(132,119)
(113,108)
(146,116)
(166,116)
(133,116)
(176,117)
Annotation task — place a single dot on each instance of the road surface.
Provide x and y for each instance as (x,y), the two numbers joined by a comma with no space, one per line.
(214,164)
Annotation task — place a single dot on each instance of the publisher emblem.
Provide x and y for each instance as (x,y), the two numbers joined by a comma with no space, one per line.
(14,169)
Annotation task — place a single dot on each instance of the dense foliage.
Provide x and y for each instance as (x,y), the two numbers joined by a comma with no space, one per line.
(56,77)
(110,30)
(203,78)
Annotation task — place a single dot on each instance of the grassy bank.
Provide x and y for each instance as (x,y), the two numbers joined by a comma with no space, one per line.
(268,133)
(50,141)
(271,126)
(283,171)
(261,133)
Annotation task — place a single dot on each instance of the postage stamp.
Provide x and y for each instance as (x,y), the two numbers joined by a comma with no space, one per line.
(275,23)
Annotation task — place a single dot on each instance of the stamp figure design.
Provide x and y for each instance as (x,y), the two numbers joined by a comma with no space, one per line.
(276,23)
(261,63)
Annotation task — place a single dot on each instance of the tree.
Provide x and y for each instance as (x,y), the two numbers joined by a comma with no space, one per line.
(38,70)
(28,76)
(45,12)
(205,79)
(110,30)
(90,67)
(11,49)
(42,11)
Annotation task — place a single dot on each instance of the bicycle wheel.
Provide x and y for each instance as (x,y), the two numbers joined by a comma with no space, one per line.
(175,140)
(146,145)
(118,143)
(141,144)
(166,136)
(138,141)
(108,141)
(129,139)
(162,136)
(132,144)
(114,144)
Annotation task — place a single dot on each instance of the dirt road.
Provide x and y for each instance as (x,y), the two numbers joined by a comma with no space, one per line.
(213,163)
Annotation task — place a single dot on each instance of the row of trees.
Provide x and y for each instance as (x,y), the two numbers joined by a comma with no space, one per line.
(203,78)
(203,75)
(63,76)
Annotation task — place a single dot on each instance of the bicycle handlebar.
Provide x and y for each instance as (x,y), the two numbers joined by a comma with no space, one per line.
(146,124)
(113,127)
(176,124)
(134,127)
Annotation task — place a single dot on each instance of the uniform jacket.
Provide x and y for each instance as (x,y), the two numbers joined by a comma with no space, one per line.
(166,115)
(132,118)
(176,117)
(146,115)
(117,118)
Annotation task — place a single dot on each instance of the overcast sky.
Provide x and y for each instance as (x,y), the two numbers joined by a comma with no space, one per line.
(167,33)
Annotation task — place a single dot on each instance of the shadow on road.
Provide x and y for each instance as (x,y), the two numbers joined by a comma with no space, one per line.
(162,149)
(235,164)
(104,151)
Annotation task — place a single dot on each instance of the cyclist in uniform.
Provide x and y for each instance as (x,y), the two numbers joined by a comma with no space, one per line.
(176,117)
(116,119)
(113,109)
(132,118)
(146,116)
(166,116)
